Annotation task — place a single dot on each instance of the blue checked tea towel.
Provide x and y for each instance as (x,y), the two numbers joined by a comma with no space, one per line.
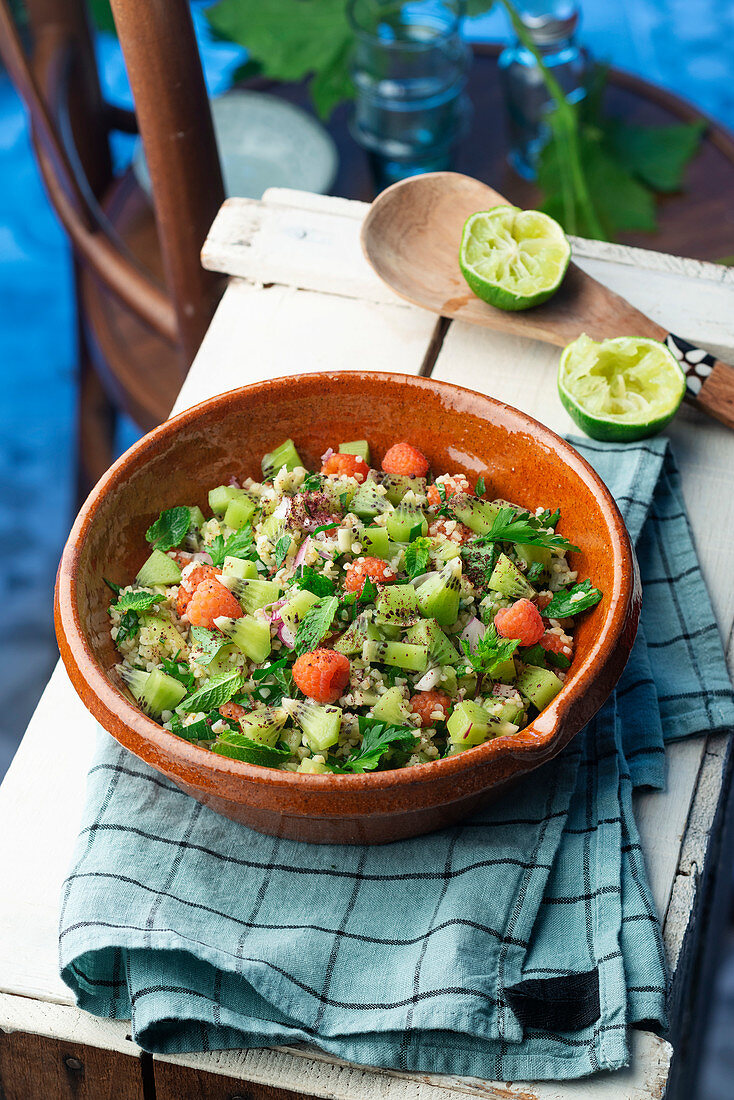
(519,945)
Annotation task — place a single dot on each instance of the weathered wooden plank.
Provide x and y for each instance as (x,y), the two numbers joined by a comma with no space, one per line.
(172,1082)
(33,1066)
(313,243)
(262,333)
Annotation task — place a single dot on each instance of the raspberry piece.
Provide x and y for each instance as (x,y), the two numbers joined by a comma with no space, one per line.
(346,465)
(521,621)
(322,674)
(426,702)
(210,600)
(451,486)
(191,582)
(406,460)
(555,644)
(233,711)
(451,529)
(358,572)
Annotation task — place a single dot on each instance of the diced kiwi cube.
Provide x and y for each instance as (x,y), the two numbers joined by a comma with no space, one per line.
(439,596)
(164,634)
(321,725)
(239,512)
(221,497)
(357,447)
(158,569)
(398,485)
(294,611)
(539,685)
(532,554)
(197,516)
(505,672)
(468,724)
(396,605)
(250,635)
(285,454)
(264,725)
(391,707)
(413,658)
(478,515)
(367,502)
(406,523)
(429,633)
(376,542)
(309,766)
(509,581)
(242,568)
(155,691)
(254,594)
(356,634)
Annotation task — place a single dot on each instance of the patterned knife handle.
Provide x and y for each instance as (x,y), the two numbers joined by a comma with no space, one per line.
(709,382)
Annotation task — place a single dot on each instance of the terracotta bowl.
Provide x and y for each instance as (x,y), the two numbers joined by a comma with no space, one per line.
(458,430)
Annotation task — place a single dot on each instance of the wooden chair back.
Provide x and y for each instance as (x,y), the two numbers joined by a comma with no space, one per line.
(59,83)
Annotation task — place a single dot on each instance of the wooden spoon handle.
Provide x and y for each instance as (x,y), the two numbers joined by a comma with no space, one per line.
(709,382)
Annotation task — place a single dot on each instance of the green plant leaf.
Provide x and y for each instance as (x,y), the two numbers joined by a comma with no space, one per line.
(239,747)
(214,694)
(315,624)
(137,601)
(572,601)
(291,41)
(377,738)
(170,528)
(657,155)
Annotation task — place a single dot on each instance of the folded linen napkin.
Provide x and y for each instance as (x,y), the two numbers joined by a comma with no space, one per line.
(520,944)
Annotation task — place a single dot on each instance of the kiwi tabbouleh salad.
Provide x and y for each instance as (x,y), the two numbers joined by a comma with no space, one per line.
(349,619)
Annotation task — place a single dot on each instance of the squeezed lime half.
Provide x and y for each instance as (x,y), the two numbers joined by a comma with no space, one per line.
(513,258)
(622,389)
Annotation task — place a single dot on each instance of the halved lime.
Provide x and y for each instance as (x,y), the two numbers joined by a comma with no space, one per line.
(513,258)
(621,389)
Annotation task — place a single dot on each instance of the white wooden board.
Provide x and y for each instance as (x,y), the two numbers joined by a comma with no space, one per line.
(327,311)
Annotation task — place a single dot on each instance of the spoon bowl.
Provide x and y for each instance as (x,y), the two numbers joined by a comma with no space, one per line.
(411,238)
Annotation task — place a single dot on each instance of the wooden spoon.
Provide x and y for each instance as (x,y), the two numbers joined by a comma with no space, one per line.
(411,238)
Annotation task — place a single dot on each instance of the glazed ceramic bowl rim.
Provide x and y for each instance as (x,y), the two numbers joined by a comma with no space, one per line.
(536,741)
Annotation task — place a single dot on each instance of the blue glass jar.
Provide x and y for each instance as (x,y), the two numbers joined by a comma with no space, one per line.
(409,67)
(551,25)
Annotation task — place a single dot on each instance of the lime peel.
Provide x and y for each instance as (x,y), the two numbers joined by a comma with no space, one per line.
(621,389)
(513,258)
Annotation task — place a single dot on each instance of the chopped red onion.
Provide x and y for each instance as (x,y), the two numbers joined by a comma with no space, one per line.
(473,632)
(429,680)
(327,454)
(234,483)
(286,636)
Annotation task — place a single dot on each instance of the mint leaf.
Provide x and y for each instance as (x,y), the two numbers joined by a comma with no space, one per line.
(128,627)
(572,601)
(282,547)
(137,601)
(274,681)
(535,572)
(325,527)
(116,588)
(480,488)
(315,624)
(214,694)
(207,644)
(369,591)
(180,671)
(308,578)
(312,483)
(521,527)
(479,562)
(201,730)
(239,747)
(240,544)
(377,738)
(170,528)
(417,554)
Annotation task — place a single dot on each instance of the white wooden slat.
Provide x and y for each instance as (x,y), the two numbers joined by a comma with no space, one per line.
(64,1022)
(313,1072)
(313,243)
(261,333)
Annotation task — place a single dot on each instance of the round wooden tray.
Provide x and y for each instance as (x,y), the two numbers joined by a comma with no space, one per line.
(697,222)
